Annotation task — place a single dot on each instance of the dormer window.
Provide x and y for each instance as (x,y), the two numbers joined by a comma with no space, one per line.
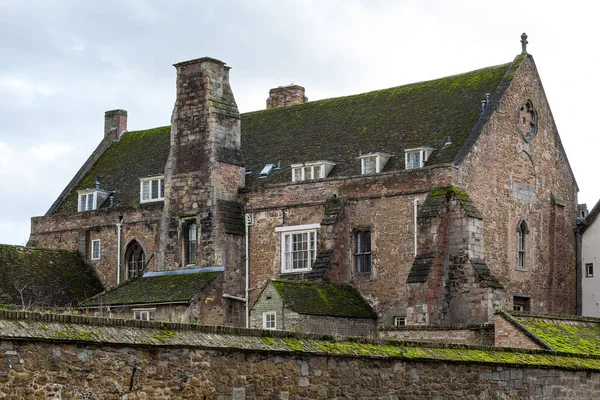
(417,157)
(373,163)
(152,189)
(311,170)
(91,199)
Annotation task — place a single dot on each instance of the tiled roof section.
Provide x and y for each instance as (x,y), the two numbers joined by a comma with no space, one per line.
(233,217)
(432,205)
(45,278)
(333,208)
(156,289)
(484,273)
(138,154)
(565,334)
(323,299)
(389,120)
(419,271)
(321,263)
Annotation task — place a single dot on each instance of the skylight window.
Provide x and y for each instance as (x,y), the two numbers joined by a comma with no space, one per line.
(266,170)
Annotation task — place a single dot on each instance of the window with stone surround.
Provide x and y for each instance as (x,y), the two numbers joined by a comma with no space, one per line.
(135,259)
(362,251)
(96,249)
(521,303)
(521,241)
(191,242)
(144,314)
(270,320)
(152,189)
(298,247)
(589,270)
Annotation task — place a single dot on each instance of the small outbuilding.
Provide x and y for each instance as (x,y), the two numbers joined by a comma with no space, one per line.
(313,307)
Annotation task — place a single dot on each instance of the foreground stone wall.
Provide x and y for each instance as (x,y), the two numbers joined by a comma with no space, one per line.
(74,357)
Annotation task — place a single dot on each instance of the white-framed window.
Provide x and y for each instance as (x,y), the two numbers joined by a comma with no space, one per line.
(417,157)
(399,321)
(87,201)
(589,270)
(308,171)
(96,249)
(152,189)
(298,247)
(144,314)
(270,320)
(373,163)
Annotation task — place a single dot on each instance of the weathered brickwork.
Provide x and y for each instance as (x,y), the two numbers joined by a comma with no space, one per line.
(508,335)
(476,336)
(511,180)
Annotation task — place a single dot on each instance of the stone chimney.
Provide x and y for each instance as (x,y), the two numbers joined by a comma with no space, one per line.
(115,123)
(286,96)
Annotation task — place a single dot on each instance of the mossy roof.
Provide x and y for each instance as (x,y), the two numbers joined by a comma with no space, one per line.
(156,289)
(137,154)
(46,278)
(571,335)
(318,298)
(337,129)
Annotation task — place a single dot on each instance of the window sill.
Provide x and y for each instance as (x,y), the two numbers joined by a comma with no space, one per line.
(152,201)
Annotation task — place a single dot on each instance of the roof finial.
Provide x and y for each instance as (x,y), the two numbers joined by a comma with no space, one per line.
(524,43)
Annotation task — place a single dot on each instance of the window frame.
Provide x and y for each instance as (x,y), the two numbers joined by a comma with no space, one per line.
(318,170)
(312,240)
(522,232)
(378,159)
(136,266)
(94,242)
(521,303)
(589,270)
(424,154)
(149,312)
(159,191)
(267,323)
(191,254)
(399,318)
(361,255)
(86,204)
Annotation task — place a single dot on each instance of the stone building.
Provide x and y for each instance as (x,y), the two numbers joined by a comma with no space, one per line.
(590,258)
(439,201)
(314,307)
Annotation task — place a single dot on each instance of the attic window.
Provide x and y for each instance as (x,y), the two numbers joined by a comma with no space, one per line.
(417,157)
(311,170)
(373,163)
(91,199)
(152,189)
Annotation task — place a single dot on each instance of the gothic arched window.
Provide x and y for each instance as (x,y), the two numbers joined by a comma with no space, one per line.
(135,259)
(521,234)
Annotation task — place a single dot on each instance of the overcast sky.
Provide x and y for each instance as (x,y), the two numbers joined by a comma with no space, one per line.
(63,63)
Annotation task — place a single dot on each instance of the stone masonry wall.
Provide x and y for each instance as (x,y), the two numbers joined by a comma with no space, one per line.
(507,335)
(477,336)
(64,359)
(512,180)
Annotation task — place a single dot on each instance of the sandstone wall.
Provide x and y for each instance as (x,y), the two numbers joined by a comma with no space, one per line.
(511,179)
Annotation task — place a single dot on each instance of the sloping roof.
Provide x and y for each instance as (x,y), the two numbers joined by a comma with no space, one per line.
(336,129)
(156,289)
(138,154)
(47,278)
(577,335)
(591,217)
(389,121)
(323,299)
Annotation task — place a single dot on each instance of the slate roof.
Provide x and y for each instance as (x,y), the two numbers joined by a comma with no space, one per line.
(156,289)
(47,278)
(336,129)
(323,299)
(579,335)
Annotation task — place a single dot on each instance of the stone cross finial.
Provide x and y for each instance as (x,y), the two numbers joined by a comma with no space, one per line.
(524,43)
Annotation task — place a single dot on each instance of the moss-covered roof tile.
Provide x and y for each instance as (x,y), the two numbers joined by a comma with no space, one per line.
(571,335)
(319,298)
(156,289)
(45,278)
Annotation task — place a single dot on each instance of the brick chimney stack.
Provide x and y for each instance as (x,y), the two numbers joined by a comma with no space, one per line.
(283,96)
(115,123)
